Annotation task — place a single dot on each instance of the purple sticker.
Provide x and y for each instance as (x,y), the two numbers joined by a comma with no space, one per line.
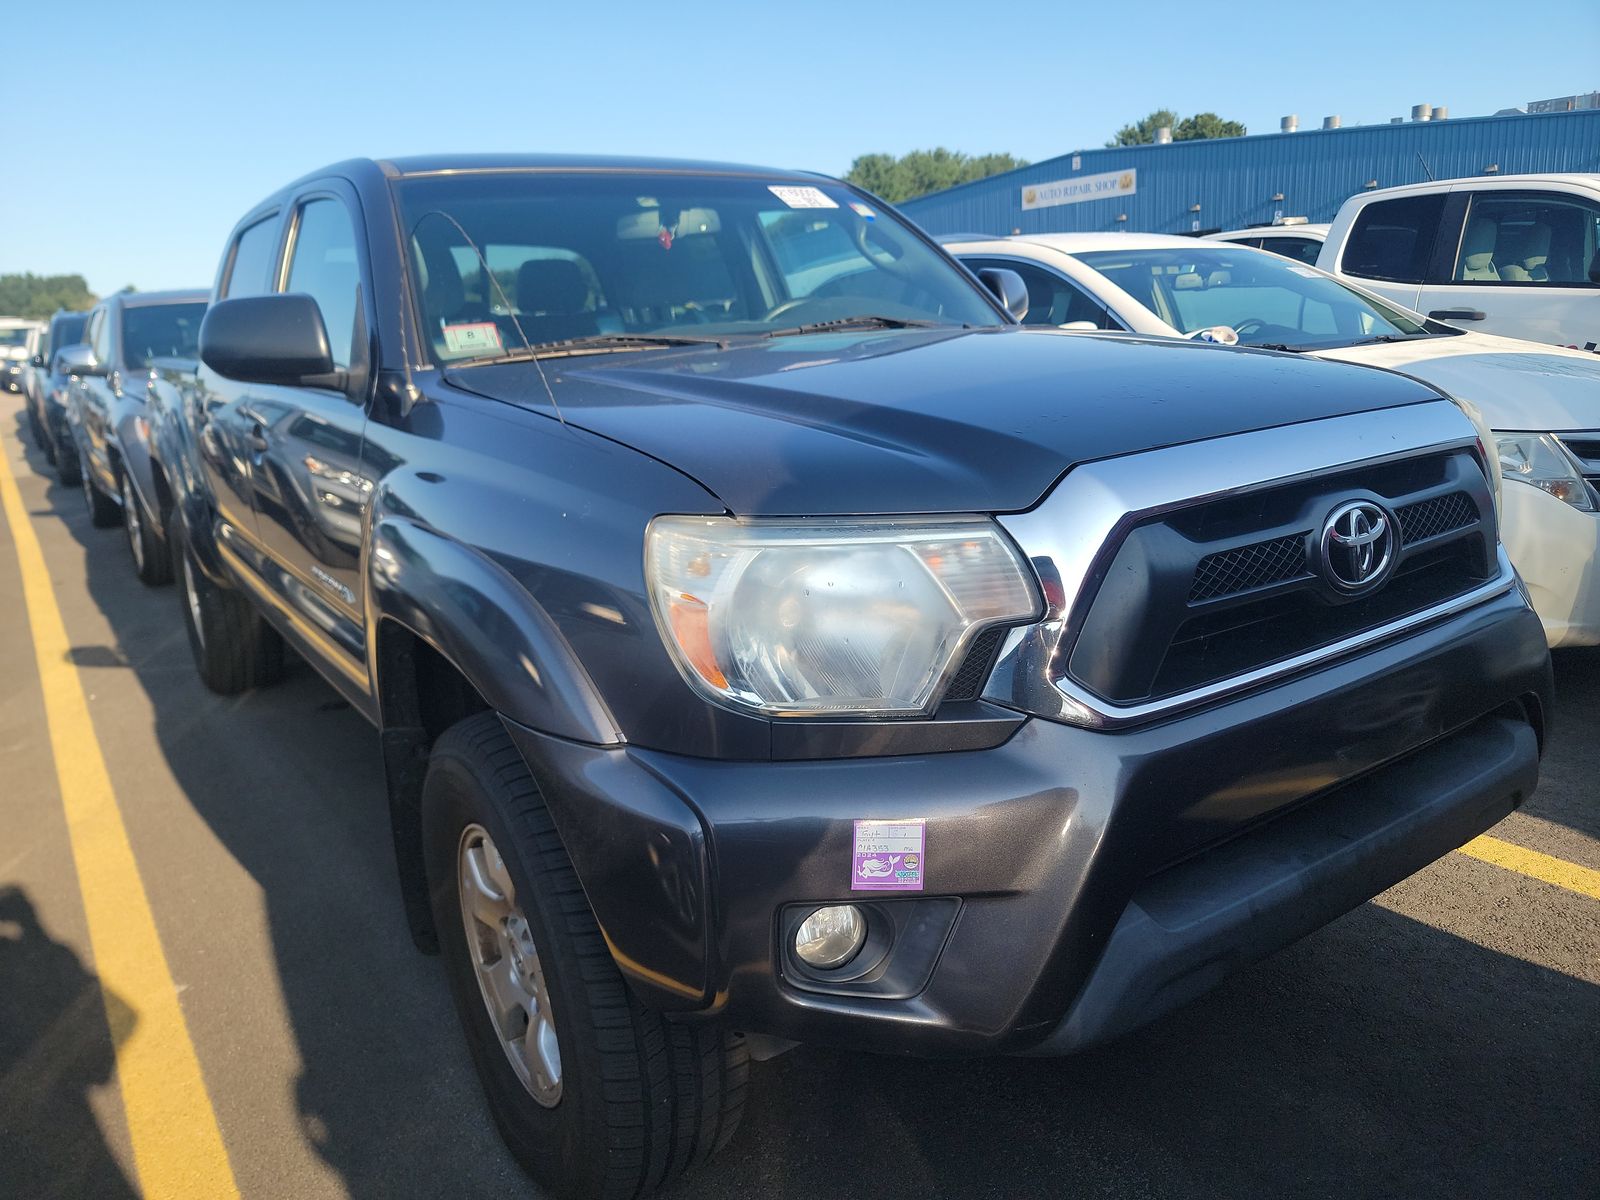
(888,856)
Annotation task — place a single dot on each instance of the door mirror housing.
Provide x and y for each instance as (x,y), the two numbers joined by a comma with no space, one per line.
(37,360)
(277,339)
(1079,326)
(1008,288)
(79,360)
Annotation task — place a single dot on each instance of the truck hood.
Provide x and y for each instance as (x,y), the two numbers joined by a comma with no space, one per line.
(918,421)
(1516,385)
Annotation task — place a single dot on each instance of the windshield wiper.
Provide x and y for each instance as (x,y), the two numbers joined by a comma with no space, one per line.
(596,342)
(1385,338)
(1284,346)
(864,321)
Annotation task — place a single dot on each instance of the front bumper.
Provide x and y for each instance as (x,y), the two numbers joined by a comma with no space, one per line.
(1078,882)
(1556,550)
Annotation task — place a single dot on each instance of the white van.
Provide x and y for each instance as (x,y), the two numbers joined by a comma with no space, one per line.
(1517,255)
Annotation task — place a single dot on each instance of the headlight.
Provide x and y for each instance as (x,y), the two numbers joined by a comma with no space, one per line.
(795,617)
(1538,459)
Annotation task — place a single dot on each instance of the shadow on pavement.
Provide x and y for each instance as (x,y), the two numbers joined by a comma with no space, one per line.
(290,780)
(1567,785)
(55,1047)
(1380,1057)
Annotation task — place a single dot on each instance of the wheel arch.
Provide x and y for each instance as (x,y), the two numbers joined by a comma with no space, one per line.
(451,634)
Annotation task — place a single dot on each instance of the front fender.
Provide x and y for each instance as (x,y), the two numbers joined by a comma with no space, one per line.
(484,622)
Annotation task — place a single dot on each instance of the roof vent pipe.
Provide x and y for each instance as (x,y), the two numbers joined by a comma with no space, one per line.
(1289,124)
(1164,135)
(1331,122)
(1422,112)
(1441,113)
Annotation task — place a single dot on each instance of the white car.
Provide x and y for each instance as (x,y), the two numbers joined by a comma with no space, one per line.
(1297,239)
(15,334)
(1517,255)
(1542,403)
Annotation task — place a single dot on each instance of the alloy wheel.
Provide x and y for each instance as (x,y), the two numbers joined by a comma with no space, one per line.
(506,962)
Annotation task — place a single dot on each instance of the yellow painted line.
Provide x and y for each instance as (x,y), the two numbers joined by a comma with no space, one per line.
(1558,871)
(177,1146)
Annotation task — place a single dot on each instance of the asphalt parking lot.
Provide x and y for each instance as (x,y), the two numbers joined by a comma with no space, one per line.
(1442,1040)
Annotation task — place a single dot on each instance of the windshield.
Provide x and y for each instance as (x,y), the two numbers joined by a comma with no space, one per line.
(161,331)
(693,256)
(13,337)
(69,330)
(1269,300)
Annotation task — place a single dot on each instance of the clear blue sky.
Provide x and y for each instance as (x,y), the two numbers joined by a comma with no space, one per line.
(129,160)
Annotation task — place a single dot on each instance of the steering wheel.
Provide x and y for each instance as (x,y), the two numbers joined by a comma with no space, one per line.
(787,307)
(1249,325)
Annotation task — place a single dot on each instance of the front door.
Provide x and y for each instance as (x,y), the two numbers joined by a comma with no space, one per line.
(1527,265)
(309,493)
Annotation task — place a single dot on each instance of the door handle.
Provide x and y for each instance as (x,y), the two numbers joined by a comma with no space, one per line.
(1457,314)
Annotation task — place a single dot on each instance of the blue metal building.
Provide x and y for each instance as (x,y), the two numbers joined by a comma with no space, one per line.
(1227,183)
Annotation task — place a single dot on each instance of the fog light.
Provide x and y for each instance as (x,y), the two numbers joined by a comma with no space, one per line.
(830,937)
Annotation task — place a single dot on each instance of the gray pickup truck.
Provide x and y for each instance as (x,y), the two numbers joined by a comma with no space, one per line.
(771,641)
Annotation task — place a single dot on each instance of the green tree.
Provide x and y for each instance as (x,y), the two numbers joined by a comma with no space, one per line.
(1188,129)
(37,296)
(1206,125)
(924,171)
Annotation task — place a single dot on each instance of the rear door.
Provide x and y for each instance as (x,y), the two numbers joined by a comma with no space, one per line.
(309,490)
(1390,245)
(1526,263)
(218,409)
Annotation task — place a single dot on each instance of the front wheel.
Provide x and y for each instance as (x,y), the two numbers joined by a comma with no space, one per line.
(150,557)
(234,648)
(103,511)
(594,1094)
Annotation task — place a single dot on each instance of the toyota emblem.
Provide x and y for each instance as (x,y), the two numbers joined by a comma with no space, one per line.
(1357,546)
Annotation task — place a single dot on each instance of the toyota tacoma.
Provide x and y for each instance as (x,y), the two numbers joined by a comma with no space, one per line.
(771,641)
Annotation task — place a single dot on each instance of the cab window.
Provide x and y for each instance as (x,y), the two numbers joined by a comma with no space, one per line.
(1052,299)
(322,265)
(1302,250)
(1530,239)
(255,251)
(1392,240)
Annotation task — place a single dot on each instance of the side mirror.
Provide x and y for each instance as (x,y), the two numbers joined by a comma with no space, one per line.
(79,360)
(1079,326)
(278,338)
(1008,288)
(37,360)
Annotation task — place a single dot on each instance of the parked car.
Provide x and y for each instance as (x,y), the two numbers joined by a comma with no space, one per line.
(1297,239)
(772,642)
(15,334)
(1517,255)
(126,335)
(1537,405)
(47,393)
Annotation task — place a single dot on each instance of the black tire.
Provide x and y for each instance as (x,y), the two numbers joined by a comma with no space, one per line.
(68,469)
(104,512)
(642,1098)
(36,427)
(234,648)
(151,562)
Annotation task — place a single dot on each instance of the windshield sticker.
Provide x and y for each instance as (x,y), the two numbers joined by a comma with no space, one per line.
(480,335)
(862,211)
(888,856)
(802,197)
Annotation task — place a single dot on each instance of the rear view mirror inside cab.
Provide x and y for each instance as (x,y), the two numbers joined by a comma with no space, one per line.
(647,224)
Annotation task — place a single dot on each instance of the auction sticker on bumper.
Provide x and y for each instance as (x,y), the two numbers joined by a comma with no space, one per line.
(888,856)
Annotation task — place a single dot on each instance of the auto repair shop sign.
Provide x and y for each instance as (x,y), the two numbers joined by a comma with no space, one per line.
(1084,187)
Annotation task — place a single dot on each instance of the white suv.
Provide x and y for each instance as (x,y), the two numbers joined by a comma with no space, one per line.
(1517,255)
